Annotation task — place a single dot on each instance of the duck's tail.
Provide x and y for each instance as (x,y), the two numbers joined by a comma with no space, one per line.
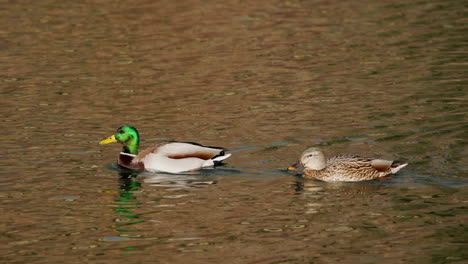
(216,160)
(396,166)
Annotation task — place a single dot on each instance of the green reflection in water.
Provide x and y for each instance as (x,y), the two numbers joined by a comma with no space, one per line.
(127,201)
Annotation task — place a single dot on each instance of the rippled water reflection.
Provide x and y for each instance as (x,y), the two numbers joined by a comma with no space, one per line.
(266,79)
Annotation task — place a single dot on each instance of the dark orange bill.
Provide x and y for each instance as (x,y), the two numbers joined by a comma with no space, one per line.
(296,165)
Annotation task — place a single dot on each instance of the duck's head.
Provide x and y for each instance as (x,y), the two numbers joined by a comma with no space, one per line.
(128,136)
(311,158)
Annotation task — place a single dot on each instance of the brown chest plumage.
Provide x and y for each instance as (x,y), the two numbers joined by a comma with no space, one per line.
(127,162)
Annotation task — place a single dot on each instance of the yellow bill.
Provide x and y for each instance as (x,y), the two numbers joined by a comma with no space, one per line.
(108,140)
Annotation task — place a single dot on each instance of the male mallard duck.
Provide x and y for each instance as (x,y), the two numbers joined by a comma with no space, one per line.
(173,157)
(346,168)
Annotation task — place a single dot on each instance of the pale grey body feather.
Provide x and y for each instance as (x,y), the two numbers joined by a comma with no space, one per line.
(176,157)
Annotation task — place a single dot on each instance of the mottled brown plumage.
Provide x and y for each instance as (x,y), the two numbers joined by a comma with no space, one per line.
(347,168)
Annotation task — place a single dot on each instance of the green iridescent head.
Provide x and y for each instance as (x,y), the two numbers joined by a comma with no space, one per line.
(128,136)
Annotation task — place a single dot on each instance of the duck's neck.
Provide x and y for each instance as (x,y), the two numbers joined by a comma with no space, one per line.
(316,166)
(131,146)
(317,163)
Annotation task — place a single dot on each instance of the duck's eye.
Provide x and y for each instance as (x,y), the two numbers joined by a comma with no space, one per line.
(120,131)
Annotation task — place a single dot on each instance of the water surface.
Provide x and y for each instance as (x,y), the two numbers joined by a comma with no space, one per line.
(265,79)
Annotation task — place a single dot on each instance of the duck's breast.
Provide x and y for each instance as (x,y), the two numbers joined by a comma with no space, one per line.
(129,161)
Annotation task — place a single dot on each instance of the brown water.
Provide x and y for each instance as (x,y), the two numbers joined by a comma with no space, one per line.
(264,78)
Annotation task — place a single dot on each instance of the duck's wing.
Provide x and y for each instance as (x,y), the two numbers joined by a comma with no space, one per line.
(350,161)
(387,166)
(181,150)
(364,168)
(353,161)
(381,164)
(177,157)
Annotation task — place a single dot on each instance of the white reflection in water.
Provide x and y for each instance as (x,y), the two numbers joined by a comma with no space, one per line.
(188,180)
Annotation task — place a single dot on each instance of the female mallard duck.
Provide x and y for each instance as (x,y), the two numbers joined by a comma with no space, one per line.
(345,168)
(172,157)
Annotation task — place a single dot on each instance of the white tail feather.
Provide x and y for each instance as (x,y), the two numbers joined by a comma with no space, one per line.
(396,169)
(220,158)
(211,162)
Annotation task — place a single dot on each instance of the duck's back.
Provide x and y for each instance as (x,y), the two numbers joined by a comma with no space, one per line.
(351,168)
(175,157)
